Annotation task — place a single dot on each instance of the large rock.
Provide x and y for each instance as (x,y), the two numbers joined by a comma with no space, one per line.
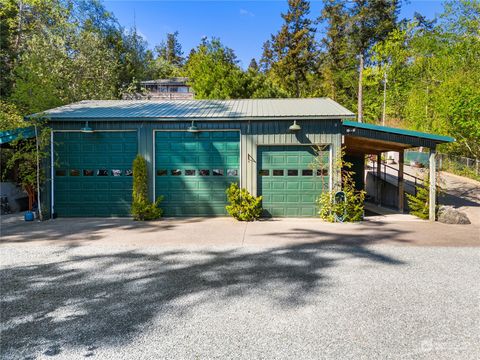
(450,215)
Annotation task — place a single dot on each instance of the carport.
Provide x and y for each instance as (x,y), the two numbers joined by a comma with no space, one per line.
(361,139)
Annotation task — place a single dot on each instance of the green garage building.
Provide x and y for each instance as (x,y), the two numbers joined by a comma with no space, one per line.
(196,148)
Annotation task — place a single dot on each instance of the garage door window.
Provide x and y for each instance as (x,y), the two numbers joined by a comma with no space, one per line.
(74,172)
(232,172)
(128,172)
(204,172)
(60,172)
(102,172)
(88,172)
(307,172)
(162,172)
(322,172)
(217,172)
(277,172)
(264,172)
(190,172)
(292,172)
(116,172)
(176,172)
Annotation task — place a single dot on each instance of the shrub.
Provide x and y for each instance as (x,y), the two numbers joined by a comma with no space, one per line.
(142,209)
(243,206)
(419,204)
(352,209)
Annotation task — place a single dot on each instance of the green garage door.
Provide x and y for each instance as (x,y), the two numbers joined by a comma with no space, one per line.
(93,174)
(287,182)
(193,170)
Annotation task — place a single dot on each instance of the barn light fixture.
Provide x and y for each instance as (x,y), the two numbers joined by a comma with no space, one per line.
(86,128)
(192,128)
(295,126)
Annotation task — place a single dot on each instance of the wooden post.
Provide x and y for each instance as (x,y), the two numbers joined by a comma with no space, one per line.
(432,188)
(378,180)
(401,184)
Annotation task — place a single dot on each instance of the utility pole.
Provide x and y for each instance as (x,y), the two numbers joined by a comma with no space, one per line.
(384,97)
(360,90)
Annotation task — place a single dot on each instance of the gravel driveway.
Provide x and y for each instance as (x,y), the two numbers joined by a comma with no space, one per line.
(311,300)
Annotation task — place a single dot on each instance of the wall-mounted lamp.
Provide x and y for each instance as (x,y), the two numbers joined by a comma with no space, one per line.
(295,126)
(192,128)
(86,128)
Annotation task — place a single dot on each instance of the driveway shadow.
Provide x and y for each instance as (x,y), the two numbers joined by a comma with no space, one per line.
(107,299)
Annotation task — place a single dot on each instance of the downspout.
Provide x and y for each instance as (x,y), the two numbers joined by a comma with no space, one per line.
(39,206)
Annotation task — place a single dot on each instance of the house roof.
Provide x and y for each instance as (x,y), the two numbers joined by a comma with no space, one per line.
(313,108)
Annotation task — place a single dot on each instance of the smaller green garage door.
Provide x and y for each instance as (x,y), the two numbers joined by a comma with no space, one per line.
(193,170)
(93,174)
(287,182)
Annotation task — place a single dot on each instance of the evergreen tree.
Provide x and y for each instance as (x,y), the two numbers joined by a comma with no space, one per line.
(253,65)
(337,63)
(171,50)
(293,50)
(370,22)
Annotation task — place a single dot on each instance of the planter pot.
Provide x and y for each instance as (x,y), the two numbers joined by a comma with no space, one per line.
(29,216)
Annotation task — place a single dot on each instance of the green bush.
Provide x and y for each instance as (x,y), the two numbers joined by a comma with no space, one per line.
(352,209)
(419,204)
(142,209)
(243,206)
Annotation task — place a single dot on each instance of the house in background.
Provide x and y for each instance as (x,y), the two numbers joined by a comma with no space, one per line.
(196,148)
(168,89)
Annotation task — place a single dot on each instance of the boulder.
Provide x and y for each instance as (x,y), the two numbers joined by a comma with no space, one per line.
(450,215)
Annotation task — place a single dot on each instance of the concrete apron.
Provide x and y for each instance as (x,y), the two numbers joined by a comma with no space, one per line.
(395,229)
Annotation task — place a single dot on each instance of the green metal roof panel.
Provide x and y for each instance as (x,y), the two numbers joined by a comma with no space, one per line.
(203,109)
(11,135)
(412,133)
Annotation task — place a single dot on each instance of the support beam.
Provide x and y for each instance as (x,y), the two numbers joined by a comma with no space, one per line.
(401,183)
(378,180)
(432,187)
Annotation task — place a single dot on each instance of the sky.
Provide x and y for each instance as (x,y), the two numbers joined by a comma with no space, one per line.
(241,25)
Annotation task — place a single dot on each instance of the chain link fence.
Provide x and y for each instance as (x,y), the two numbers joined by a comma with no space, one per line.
(459,165)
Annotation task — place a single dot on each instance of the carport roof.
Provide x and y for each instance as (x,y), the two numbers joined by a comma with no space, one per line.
(313,108)
(370,138)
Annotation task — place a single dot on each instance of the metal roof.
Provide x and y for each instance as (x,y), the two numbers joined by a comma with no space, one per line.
(411,133)
(11,135)
(314,108)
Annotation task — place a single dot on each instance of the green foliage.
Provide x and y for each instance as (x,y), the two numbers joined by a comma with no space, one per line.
(243,206)
(24,160)
(352,209)
(419,204)
(214,73)
(10,117)
(142,209)
(290,54)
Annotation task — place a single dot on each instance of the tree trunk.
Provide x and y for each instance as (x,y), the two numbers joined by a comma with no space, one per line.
(360,90)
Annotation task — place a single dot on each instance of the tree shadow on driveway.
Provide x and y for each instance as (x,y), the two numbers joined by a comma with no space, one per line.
(109,298)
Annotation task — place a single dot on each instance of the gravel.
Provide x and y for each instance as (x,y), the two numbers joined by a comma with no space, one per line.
(309,301)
